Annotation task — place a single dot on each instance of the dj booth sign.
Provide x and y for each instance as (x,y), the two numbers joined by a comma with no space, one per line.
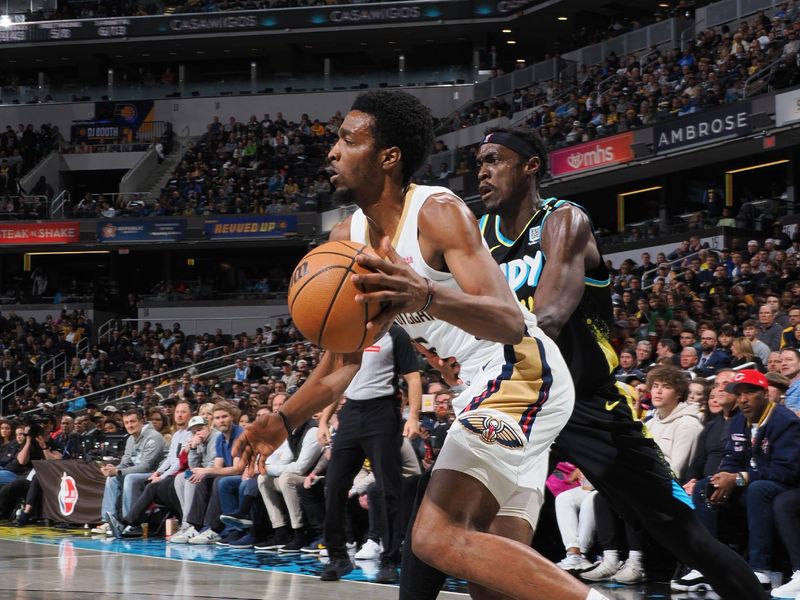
(72,490)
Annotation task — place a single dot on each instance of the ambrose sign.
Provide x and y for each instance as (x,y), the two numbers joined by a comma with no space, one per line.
(592,155)
(702,128)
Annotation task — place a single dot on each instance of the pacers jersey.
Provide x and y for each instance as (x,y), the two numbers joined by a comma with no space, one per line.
(584,339)
(446,339)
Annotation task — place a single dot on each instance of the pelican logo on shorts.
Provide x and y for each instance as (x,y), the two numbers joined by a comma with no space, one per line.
(492,430)
(67,495)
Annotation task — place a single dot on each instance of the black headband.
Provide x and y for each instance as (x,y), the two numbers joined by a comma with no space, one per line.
(511,141)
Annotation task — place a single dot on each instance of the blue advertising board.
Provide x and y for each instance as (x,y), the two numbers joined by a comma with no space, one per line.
(126,231)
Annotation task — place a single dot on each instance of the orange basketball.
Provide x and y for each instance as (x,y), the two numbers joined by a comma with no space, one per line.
(322,298)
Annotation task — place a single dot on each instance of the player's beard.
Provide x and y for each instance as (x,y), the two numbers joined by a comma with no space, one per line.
(342,196)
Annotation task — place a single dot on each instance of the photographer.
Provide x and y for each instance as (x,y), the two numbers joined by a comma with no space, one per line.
(30,443)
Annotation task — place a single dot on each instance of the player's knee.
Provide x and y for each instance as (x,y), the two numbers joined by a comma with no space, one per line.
(431,541)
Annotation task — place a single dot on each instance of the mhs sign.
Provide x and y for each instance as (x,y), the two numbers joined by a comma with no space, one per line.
(604,152)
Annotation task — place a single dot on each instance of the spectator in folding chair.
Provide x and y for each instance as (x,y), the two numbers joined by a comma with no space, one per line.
(204,513)
(162,491)
(170,465)
(202,454)
(143,451)
(294,459)
(244,518)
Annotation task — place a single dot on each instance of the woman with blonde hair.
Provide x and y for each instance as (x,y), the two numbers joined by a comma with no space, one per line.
(742,353)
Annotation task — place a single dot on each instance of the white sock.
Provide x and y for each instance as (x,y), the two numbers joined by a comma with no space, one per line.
(635,557)
(611,555)
(595,595)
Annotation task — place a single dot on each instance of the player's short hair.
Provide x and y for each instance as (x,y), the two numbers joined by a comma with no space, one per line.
(672,376)
(401,120)
(532,137)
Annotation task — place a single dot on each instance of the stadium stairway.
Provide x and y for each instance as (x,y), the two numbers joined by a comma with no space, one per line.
(163,173)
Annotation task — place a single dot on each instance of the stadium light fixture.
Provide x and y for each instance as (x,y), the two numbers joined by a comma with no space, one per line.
(621,203)
(5,21)
(729,176)
(511,41)
(562,18)
(506,31)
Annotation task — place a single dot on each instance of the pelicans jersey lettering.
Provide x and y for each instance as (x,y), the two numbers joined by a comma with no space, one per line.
(517,398)
(584,339)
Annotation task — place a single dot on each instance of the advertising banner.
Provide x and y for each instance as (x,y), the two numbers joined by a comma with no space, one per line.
(124,231)
(606,151)
(55,232)
(353,15)
(247,228)
(72,490)
(729,121)
(787,108)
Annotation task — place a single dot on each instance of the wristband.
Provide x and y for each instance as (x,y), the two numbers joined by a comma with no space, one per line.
(429,299)
(285,420)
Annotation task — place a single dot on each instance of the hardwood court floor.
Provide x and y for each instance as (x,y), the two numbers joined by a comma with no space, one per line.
(38,563)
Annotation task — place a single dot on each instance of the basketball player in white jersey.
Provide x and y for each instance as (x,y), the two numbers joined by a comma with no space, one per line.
(441,284)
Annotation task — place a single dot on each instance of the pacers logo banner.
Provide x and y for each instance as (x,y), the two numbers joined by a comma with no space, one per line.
(72,490)
(592,155)
(250,228)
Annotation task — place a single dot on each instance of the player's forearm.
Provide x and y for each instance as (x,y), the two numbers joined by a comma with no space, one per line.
(316,394)
(484,317)
(414,394)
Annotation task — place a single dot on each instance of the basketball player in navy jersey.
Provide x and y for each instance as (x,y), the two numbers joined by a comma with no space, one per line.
(443,287)
(548,253)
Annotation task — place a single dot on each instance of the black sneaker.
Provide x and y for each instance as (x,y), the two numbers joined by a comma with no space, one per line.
(336,569)
(23,519)
(693,581)
(237,520)
(297,543)
(278,539)
(229,537)
(115,526)
(387,573)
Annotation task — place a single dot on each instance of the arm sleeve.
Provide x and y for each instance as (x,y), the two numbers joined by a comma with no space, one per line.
(405,357)
(684,446)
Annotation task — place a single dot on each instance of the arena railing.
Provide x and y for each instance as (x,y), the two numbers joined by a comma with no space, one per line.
(10,389)
(53,364)
(58,204)
(649,272)
(104,330)
(764,74)
(174,373)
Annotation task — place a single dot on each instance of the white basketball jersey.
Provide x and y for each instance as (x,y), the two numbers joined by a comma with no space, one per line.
(443,337)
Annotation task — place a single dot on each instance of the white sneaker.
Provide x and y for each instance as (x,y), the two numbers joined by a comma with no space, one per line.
(631,573)
(371,550)
(209,536)
(101,529)
(575,563)
(790,589)
(602,571)
(183,536)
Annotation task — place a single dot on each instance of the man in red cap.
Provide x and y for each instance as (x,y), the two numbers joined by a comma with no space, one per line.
(762,460)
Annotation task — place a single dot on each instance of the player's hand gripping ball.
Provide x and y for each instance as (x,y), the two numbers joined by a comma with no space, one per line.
(322,298)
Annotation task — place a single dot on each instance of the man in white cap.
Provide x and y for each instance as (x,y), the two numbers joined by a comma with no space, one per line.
(762,460)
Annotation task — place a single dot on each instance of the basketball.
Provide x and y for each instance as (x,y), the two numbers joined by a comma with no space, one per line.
(322,298)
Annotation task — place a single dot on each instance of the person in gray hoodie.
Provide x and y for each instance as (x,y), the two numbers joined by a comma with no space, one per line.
(676,424)
(144,449)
